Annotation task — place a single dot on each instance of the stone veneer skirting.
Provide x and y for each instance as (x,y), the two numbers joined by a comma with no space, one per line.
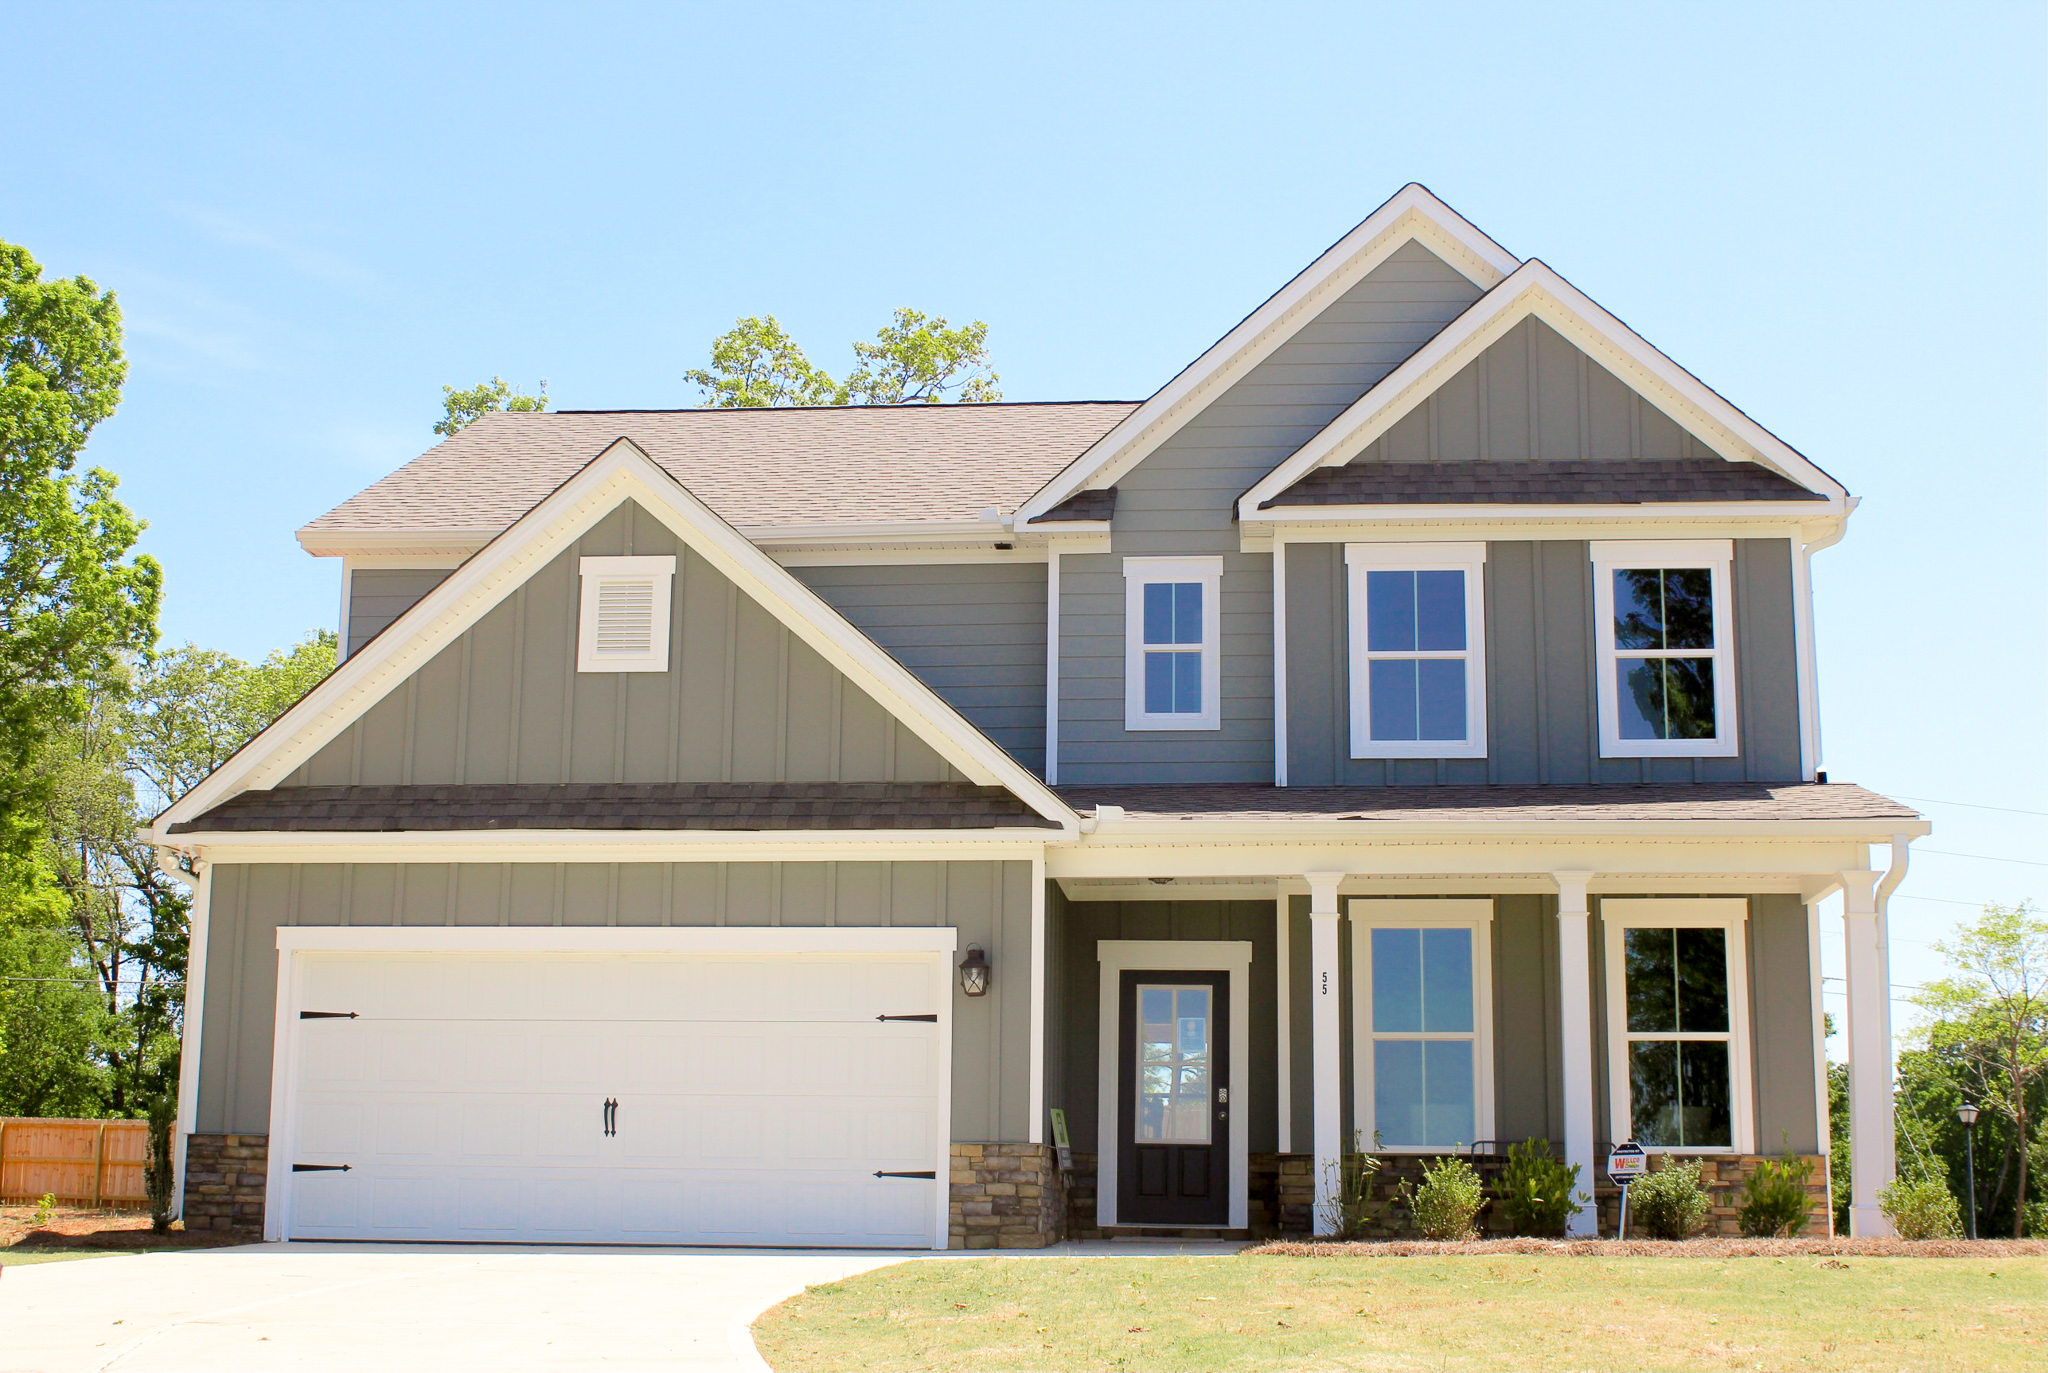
(225,1176)
(1724,1178)
(1004,1196)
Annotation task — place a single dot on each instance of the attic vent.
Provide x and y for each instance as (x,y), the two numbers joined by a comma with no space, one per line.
(624,624)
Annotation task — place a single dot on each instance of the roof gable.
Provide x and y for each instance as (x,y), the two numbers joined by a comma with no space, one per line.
(1703,423)
(621,473)
(1413,215)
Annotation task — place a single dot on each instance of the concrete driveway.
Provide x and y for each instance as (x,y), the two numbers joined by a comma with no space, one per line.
(392,1308)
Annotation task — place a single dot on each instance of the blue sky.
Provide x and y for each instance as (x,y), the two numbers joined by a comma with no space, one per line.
(317,216)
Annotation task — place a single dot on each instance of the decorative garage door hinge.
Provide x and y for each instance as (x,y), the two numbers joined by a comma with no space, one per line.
(320,1168)
(327,1015)
(927,1174)
(930,1019)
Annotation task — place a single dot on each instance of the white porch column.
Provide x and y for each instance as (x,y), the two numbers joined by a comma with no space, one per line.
(1327,1079)
(1575,1047)
(1873,1161)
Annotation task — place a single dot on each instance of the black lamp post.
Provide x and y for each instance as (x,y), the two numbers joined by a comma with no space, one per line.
(1967,1114)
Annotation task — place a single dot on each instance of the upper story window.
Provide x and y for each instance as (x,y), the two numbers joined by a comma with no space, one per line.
(1666,666)
(1172,621)
(1677,1023)
(623,623)
(1423,1052)
(1418,650)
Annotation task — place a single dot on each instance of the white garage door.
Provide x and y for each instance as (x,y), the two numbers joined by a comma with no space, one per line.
(651,1099)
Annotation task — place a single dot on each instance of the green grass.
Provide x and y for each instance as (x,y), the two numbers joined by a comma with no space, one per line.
(1251,1314)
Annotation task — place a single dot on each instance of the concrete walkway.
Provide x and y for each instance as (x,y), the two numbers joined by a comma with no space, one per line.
(395,1308)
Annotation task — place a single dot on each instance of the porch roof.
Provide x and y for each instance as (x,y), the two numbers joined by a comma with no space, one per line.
(1665,802)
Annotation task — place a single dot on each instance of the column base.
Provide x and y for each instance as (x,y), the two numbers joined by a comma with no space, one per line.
(1870,1223)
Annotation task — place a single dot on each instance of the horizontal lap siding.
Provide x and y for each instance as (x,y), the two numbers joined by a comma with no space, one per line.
(974,633)
(744,700)
(1542,717)
(1181,501)
(379,595)
(988,902)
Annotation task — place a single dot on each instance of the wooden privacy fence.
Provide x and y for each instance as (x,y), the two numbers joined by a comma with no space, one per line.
(84,1162)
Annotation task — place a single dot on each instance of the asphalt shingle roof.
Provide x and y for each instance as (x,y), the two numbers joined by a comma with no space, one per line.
(759,469)
(1610,482)
(1669,802)
(623,806)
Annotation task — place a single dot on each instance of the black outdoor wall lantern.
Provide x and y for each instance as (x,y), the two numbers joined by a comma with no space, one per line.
(974,972)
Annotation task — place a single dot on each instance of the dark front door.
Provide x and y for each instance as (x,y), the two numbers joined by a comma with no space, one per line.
(1173,1129)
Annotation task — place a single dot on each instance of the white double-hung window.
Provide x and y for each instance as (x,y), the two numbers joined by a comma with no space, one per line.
(1418,650)
(1678,1022)
(1173,670)
(1661,618)
(1422,1051)
(623,614)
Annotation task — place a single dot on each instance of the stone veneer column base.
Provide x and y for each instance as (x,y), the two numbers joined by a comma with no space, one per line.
(225,1177)
(1005,1196)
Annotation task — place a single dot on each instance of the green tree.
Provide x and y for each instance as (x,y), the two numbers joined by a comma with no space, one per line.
(74,597)
(917,358)
(465,408)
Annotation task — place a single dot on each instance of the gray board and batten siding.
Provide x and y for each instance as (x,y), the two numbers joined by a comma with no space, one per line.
(973,632)
(1181,501)
(988,902)
(379,595)
(744,700)
(1527,1029)
(1542,716)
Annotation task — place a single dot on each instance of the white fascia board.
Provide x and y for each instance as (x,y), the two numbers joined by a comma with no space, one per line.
(1783,513)
(1534,289)
(700,939)
(621,472)
(410,543)
(613,846)
(1413,214)
(1368,831)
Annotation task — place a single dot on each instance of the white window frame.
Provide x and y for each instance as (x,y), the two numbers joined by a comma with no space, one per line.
(1371,913)
(1469,558)
(1140,573)
(595,573)
(1717,556)
(1725,913)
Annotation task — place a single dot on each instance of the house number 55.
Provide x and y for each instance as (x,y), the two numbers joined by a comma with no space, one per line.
(1326,982)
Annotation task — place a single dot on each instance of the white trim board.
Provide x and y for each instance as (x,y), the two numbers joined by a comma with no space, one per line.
(620,473)
(1412,214)
(1115,957)
(1534,289)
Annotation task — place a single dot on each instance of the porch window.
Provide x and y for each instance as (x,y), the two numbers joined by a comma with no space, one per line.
(1418,650)
(1424,1035)
(1172,663)
(1676,1023)
(1666,678)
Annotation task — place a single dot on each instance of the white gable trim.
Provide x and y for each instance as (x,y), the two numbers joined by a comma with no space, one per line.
(1534,289)
(621,472)
(1412,215)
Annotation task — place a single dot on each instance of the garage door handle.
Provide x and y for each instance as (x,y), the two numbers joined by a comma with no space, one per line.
(611,1116)
(320,1168)
(327,1015)
(927,1175)
(928,1019)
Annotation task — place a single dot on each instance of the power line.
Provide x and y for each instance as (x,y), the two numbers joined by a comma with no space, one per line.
(1938,900)
(1972,805)
(1985,857)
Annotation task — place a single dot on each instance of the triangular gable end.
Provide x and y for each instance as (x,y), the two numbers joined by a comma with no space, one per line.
(1534,290)
(1412,215)
(620,473)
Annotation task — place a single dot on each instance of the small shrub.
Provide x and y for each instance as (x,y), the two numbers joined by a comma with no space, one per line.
(1921,1209)
(46,1204)
(1670,1204)
(1356,1212)
(1774,1198)
(1536,1190)
(2036,1223)
(1450,1196)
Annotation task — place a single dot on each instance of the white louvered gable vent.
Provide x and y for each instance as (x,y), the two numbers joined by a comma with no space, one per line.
(624,622)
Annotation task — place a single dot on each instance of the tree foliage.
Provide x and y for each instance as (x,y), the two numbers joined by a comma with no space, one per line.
(74,597)
(917,358)
(464,408)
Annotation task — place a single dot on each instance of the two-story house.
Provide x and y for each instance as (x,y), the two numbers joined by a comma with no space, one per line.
(772,826)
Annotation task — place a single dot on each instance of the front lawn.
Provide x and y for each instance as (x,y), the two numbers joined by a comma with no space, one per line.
(1251,1312)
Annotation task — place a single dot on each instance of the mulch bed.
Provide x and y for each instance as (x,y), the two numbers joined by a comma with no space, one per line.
(1662,1249)
(78,1228)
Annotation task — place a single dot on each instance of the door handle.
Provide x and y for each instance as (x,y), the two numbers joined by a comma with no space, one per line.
(611,1116)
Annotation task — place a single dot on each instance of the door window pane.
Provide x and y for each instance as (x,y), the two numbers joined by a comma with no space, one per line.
(1172,1077)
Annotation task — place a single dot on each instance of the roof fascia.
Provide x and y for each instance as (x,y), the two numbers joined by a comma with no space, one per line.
(606,846)
(1412,214)
(1747,512)
(1535,289)
(619,473)
(1324,830)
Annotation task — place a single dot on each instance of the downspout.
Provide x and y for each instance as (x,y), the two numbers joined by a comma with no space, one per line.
(1810,758)
(200,878)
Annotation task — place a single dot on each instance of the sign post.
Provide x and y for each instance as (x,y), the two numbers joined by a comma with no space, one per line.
(1624,1166)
